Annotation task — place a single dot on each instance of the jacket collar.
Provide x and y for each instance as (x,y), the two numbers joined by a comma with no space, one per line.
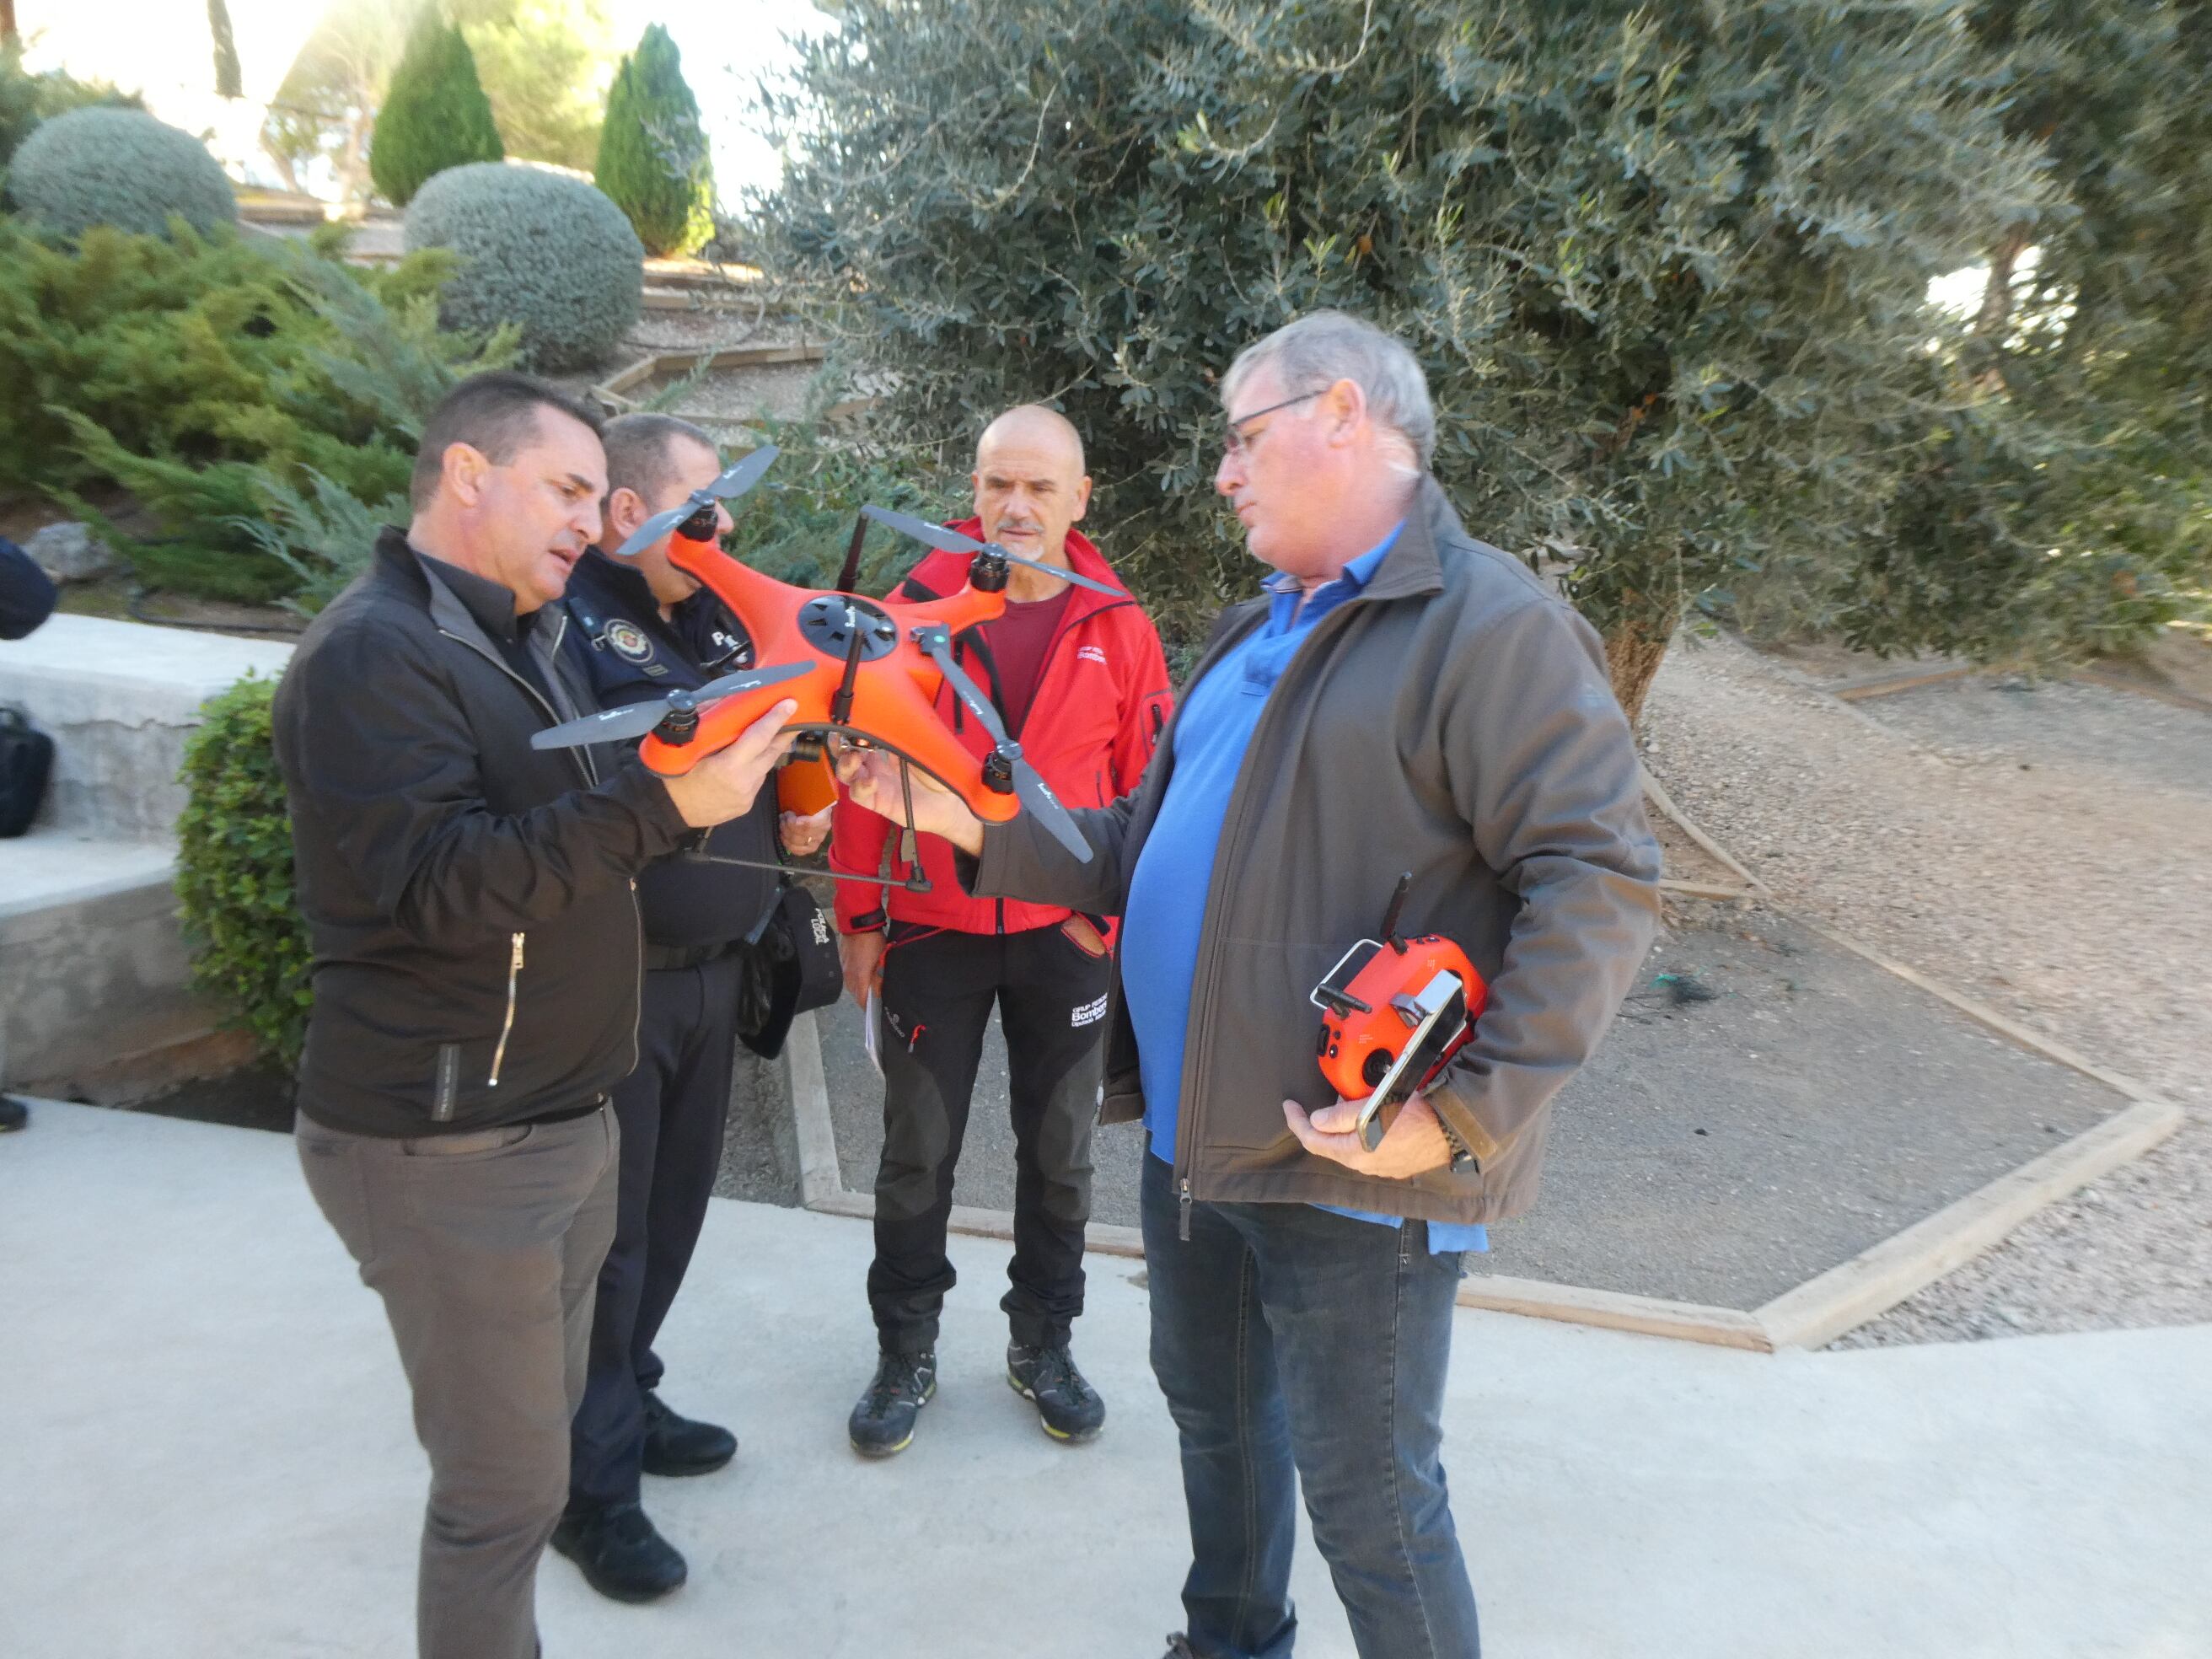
(1413,566)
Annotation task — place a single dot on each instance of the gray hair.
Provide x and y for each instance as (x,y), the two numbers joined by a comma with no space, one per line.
(1324,347)
(638,452)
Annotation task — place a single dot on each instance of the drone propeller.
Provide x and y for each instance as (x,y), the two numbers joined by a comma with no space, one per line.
(1029,789)
(635,720)
(732,483)
(951,541)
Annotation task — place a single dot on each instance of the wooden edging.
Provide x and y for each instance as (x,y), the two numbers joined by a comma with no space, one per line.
(1876,1280)
(2111,681)
(1882,684)
(1615,1311)
(1656,793)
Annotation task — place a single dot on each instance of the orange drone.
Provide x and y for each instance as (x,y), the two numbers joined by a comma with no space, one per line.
(869,670)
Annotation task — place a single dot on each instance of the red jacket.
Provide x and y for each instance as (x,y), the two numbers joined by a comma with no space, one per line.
(1102,701)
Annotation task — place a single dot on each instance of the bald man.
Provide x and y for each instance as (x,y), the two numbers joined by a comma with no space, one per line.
(1080,681)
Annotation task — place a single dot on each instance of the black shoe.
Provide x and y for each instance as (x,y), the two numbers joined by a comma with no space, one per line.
(13,1115)
(678,1445)
(882,1423)
(1179,1647)
(1068,1407)
(620,1553)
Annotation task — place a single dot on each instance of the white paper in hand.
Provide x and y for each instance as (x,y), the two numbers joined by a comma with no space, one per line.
(871,1024)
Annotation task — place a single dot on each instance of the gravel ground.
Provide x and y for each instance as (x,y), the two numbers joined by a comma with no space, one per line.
(2047,849)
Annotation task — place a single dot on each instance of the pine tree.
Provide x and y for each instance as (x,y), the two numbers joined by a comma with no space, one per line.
(435,116)
(654,160)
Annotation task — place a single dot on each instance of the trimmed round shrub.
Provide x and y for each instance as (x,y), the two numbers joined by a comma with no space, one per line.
(435,115)
(249,941)
(120,167)
(541,251)
(654,160)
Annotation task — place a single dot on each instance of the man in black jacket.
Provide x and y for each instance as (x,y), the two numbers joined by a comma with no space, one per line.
(639,628)
(26,599)
(472,911)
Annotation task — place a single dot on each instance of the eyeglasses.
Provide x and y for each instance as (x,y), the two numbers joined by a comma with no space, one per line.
(1234,441)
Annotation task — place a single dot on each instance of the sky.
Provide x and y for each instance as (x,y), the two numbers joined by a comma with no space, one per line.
(161,47)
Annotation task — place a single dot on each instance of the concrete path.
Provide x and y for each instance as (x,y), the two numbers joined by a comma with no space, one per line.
(206,1453)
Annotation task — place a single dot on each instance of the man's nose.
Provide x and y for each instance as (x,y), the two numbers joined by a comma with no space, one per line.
(1228,475)
(724,524)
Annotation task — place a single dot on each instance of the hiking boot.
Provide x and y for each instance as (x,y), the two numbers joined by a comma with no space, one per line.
(1179,1647)
(882,1422)
(1068,1407)
(14,1114)
(676,1445)
(619,1552)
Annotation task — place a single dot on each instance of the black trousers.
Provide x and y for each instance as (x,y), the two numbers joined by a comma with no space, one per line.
(938,988)
(672,1109)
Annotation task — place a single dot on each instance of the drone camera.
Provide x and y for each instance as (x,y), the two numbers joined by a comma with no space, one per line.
(702,525)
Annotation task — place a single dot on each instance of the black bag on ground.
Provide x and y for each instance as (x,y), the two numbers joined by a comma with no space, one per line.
(792,967)
(27,756)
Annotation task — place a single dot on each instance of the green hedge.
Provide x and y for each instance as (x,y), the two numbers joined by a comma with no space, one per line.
(249,942)
(545,252)
(120,168)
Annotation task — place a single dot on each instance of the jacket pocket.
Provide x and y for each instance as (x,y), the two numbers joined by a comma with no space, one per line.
(506,1026)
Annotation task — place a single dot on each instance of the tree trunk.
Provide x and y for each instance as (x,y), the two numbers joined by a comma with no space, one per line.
(8,20)
(1633,651)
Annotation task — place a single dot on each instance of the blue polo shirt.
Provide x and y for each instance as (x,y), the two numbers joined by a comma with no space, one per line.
(1166,913)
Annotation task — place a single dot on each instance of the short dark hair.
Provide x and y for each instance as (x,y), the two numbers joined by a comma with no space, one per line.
(494,413)
(638,450)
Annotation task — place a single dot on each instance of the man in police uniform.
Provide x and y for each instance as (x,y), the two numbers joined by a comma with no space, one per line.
(643,629)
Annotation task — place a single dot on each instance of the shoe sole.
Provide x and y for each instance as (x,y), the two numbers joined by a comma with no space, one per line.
(681,1471)
(927,1395)
(1082,1438)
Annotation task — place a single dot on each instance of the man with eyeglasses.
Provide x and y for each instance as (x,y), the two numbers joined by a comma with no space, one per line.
(1402,699)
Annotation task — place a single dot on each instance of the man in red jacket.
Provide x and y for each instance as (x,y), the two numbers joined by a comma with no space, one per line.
(1080,681)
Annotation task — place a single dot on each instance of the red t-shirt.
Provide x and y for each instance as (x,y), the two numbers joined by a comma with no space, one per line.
(1018,640)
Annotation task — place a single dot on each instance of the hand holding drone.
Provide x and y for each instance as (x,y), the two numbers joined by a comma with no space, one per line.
(869,670)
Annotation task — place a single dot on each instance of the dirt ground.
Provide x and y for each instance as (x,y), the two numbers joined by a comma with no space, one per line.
(2044,847)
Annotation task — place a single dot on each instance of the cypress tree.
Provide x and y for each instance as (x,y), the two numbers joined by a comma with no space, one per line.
(653,151)
(435,115)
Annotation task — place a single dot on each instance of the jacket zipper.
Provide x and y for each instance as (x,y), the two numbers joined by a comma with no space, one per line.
(1186,1118)
(506,1026)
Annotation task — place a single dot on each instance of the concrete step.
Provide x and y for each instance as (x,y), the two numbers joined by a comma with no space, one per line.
(119,699)
(93,969)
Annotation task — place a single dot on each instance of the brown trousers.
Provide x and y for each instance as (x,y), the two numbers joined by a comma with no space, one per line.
(485,1248)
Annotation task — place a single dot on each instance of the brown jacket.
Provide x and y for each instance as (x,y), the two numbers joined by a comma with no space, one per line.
(1454,719)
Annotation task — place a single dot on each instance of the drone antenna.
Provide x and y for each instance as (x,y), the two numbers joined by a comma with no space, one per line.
(840,705)
(1390,916)
(851,572)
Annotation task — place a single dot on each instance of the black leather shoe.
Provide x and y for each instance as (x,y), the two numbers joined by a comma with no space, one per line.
(882,1422)
(1068,1407)
(680,1445)
(13,1115)
(620,1554)
(1179,1647)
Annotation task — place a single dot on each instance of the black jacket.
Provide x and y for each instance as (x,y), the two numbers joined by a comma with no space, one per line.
(470,900)
(616,642)
(26,595)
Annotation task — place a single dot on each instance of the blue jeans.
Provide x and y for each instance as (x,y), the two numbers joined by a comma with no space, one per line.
(1299,1346)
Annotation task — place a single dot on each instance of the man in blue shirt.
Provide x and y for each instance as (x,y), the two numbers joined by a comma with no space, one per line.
(1403,699)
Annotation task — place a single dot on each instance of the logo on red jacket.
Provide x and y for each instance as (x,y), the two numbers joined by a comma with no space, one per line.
(1090,653)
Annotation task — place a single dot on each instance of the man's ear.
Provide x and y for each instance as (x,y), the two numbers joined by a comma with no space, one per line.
(625,512)
(1082,499)
(1346,405)
(465,466)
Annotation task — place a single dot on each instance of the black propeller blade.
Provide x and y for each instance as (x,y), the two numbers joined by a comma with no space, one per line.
(951,541)
(635,720)
(1029,789)
(733,483)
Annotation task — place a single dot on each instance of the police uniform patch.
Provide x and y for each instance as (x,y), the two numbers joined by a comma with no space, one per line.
(628,640)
